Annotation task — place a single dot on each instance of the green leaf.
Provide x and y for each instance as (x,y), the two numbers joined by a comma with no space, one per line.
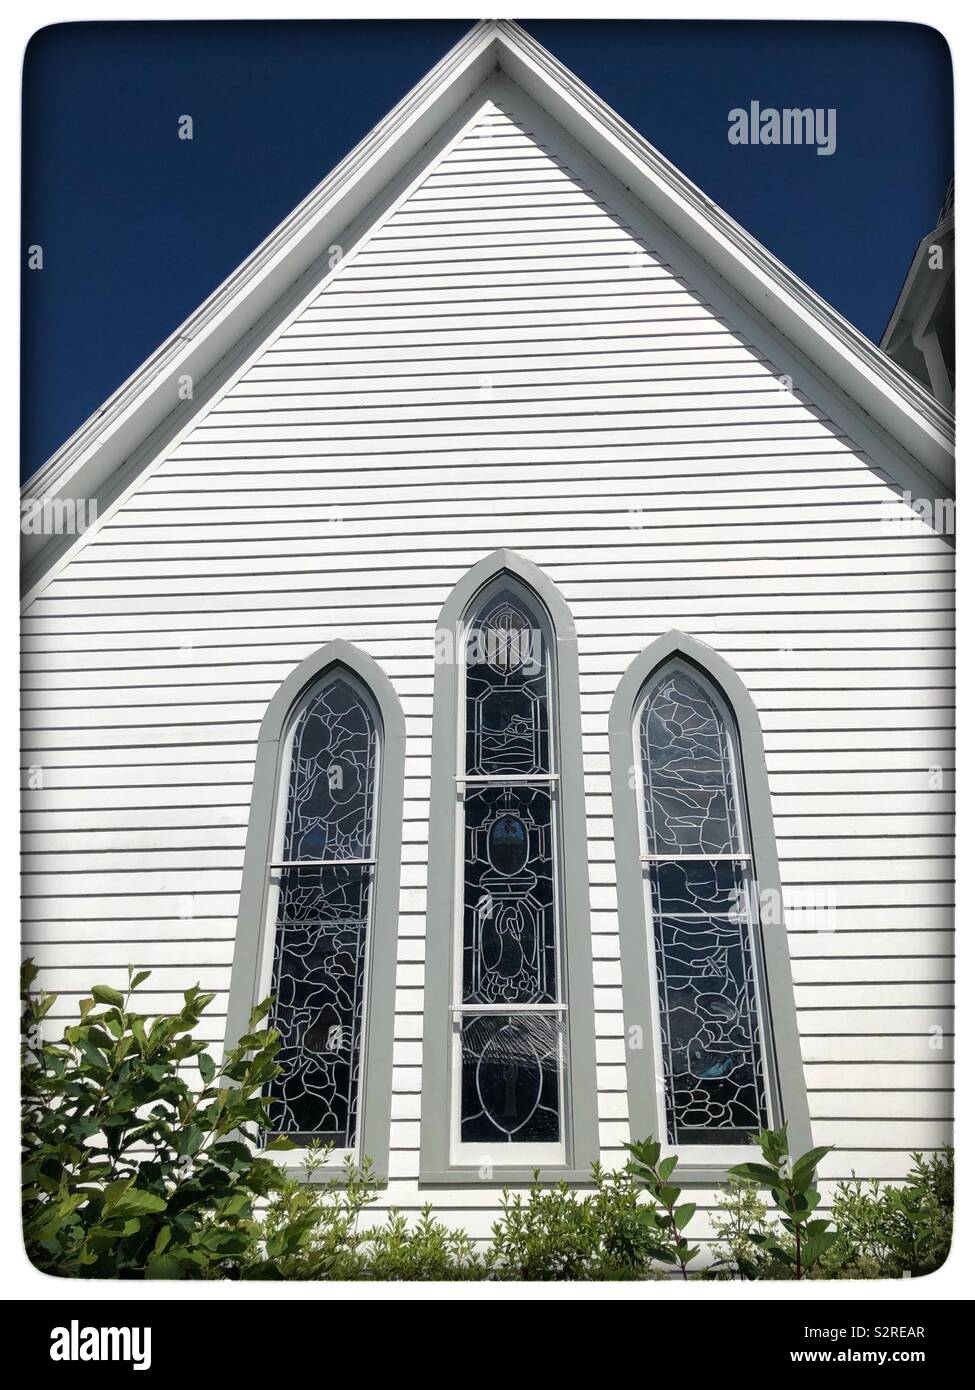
(208,1068)
(774,1144)
(683,1214)
(812,1157)
(804,1168)
(164,1267)
(783,1256)
(188,1141)
(646,1152)
(279,1144)
(665,1254)
(105,995)
(814,1248)
(757,1172)
(115,1191)
(138,1203)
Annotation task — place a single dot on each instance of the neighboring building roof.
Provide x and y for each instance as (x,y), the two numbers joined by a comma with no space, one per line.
(920,336)
(111,447)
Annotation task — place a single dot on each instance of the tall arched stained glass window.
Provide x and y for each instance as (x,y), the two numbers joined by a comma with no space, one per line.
(509,1002)
(322,884)
(698,873)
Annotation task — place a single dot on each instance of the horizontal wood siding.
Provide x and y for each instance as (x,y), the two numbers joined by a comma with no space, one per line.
(505,363)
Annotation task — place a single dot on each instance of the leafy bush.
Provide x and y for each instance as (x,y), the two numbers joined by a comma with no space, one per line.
(308,1229)
(554,1233)
(664,1215)
(880,1231)
(886,1232)
(426,1251)
(741,1232)
(792,1185)
(311,1230)
(135,1168)
(128,1171)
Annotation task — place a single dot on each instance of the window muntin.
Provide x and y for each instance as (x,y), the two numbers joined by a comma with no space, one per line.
(321,895)
(701,898)
(509,1011)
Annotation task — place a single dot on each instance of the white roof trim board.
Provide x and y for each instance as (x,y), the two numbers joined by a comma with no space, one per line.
(110,447)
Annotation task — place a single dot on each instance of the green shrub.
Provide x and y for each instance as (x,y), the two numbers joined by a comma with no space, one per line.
(741,1232)
(134,1169)
(312,1230)
(309,1229)
(664,1215)
(887,1232)
(554,1233)
(128,1171)
(792,1184)
(426,1251)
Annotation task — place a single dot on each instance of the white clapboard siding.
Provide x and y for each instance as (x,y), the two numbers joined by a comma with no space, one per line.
(505,363)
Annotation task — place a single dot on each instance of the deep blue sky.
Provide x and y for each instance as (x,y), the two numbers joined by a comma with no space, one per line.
(138,227)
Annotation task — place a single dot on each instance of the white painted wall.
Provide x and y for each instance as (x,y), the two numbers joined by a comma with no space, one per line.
(503,363)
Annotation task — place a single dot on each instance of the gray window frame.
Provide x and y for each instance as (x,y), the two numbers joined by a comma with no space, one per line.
(787,1089)
(253,922)
(582,1130)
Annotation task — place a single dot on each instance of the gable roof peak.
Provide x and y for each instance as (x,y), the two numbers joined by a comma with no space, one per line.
(122,437)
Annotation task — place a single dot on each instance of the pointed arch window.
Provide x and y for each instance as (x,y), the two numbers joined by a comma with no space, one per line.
(319,905)
(509,1001)
(697,855)
(508,1035)
(321,893)
(709,1012)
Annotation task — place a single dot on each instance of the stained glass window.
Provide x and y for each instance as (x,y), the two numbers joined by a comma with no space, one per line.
(323,882)
(510,1014)
(699,872)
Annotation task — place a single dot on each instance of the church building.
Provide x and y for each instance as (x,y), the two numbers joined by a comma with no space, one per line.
(511,627)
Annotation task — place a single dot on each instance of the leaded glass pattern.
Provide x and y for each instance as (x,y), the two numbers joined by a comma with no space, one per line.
(511,1063)
(510,1078)
(690,802)
(701,894)
(323,909)
(507,691)
(509,902)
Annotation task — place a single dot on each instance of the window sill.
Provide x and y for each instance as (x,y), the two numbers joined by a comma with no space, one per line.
(324,1173)
(516,1176)
(710,1174)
